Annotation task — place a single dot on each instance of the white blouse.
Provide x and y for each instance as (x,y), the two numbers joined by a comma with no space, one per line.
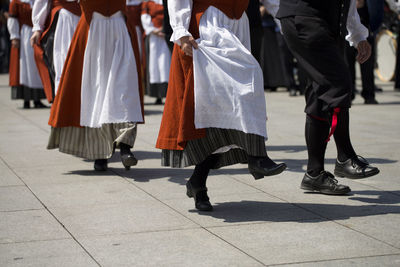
(180,12)
(356,31)
(13,24)
(40,11)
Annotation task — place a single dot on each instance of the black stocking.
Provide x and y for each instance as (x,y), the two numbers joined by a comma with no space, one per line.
(342,137)
(316,132)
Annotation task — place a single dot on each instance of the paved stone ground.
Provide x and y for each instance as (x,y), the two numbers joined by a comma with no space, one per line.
(56,211)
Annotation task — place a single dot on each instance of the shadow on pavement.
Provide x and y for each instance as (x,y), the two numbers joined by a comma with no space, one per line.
(251,211)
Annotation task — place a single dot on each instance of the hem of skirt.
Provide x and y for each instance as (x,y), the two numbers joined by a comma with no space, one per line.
(241,159)
(81,154)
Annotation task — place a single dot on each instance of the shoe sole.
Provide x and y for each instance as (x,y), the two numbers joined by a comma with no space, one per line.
(323,191)
(343,175)
(129,162)
(277,171)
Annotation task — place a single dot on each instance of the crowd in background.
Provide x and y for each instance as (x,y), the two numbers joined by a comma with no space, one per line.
(268,47)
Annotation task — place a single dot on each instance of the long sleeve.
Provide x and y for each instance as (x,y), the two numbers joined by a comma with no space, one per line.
(180,12)
(147,23)
(40,12)
(13,28)
(356,31)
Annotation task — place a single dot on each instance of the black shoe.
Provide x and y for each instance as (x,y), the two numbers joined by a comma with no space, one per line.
(355,168)
(378,89)
(38,104)
(260,167)
(201,199)
(370,101)
(158,101)
(127,157)
(27,105)
(100,165)
(325,183)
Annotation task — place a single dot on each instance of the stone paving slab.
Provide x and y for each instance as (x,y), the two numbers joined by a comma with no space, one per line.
(32,225)
(17,198)
(290,242)
(56,211)
(8,177)
(120,218)
(49,253)
(389,261)
(192,247)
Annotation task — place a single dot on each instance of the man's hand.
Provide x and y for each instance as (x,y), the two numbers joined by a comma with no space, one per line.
(15,43)
(35,37)
(187,45)
(364,51)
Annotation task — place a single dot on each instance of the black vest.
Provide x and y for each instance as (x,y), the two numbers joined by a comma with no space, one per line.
(334,12)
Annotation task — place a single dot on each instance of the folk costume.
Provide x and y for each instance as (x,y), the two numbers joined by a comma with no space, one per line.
(24,77)
(56,20)
(98,102)
(158,55)
(215,111)
(133,13)
(314,31)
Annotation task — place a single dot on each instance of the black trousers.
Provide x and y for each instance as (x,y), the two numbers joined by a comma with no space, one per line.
(367,70)
(320,55)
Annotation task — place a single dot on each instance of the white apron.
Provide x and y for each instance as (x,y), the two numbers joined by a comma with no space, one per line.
(110,84)
(228,81)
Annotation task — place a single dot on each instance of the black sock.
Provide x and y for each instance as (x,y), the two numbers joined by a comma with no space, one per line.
(200,173)
(316,133)
(342,137)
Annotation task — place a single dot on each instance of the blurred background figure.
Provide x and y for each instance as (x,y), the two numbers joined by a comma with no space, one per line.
(133,13)
(167,29)
(24,76)
(158,55)
(54,24)
(4,37)
(256,30)
(392,24)
(367,68)
(277,62)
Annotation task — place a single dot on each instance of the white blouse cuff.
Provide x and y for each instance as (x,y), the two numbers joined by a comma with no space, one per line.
(37,28)
(178,33)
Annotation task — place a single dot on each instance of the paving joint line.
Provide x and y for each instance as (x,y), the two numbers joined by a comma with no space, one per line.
(53,215)
(322,216)
(180,213)
(336,259)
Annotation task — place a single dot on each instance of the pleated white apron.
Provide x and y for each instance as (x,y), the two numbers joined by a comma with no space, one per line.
(110,84)
(228,81)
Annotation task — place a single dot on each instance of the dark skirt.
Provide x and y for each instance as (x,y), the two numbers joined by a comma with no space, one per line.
(26,93)
(198,150)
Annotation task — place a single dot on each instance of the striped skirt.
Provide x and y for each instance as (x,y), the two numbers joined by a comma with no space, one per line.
(232,145)
(92,143)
